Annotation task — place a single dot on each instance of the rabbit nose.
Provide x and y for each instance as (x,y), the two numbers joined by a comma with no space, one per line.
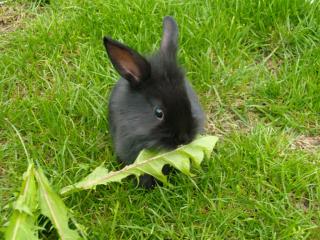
(183,139)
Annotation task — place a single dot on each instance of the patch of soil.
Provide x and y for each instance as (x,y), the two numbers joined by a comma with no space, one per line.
(11,17)
(234,116)
(306,143)
(274,65)
(223,123)
(2,171)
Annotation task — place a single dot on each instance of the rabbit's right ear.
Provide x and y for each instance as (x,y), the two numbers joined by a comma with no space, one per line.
(129,64)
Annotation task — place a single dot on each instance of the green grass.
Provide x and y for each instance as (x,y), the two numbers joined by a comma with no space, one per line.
(255,66)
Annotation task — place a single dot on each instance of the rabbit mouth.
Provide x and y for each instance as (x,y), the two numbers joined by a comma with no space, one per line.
(172,142)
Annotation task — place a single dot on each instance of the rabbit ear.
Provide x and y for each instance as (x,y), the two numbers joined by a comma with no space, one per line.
(169,42)
(130,64)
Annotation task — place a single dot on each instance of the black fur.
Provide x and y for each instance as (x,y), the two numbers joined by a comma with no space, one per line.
(146,84)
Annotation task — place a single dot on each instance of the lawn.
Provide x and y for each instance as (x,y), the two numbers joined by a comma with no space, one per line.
(256,68)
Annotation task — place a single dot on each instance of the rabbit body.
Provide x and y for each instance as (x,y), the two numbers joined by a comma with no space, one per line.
(152,105)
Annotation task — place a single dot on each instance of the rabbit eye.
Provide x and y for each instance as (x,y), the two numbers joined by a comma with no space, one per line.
(158,113)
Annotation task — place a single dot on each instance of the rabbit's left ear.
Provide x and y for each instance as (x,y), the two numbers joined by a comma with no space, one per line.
(169,42)
(129,64)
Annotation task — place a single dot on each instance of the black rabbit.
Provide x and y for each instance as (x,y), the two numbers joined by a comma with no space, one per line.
(152,105)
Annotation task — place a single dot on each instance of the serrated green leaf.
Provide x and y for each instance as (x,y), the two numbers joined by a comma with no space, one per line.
(52,206)
(152,163)
(22,221)
(99,171)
